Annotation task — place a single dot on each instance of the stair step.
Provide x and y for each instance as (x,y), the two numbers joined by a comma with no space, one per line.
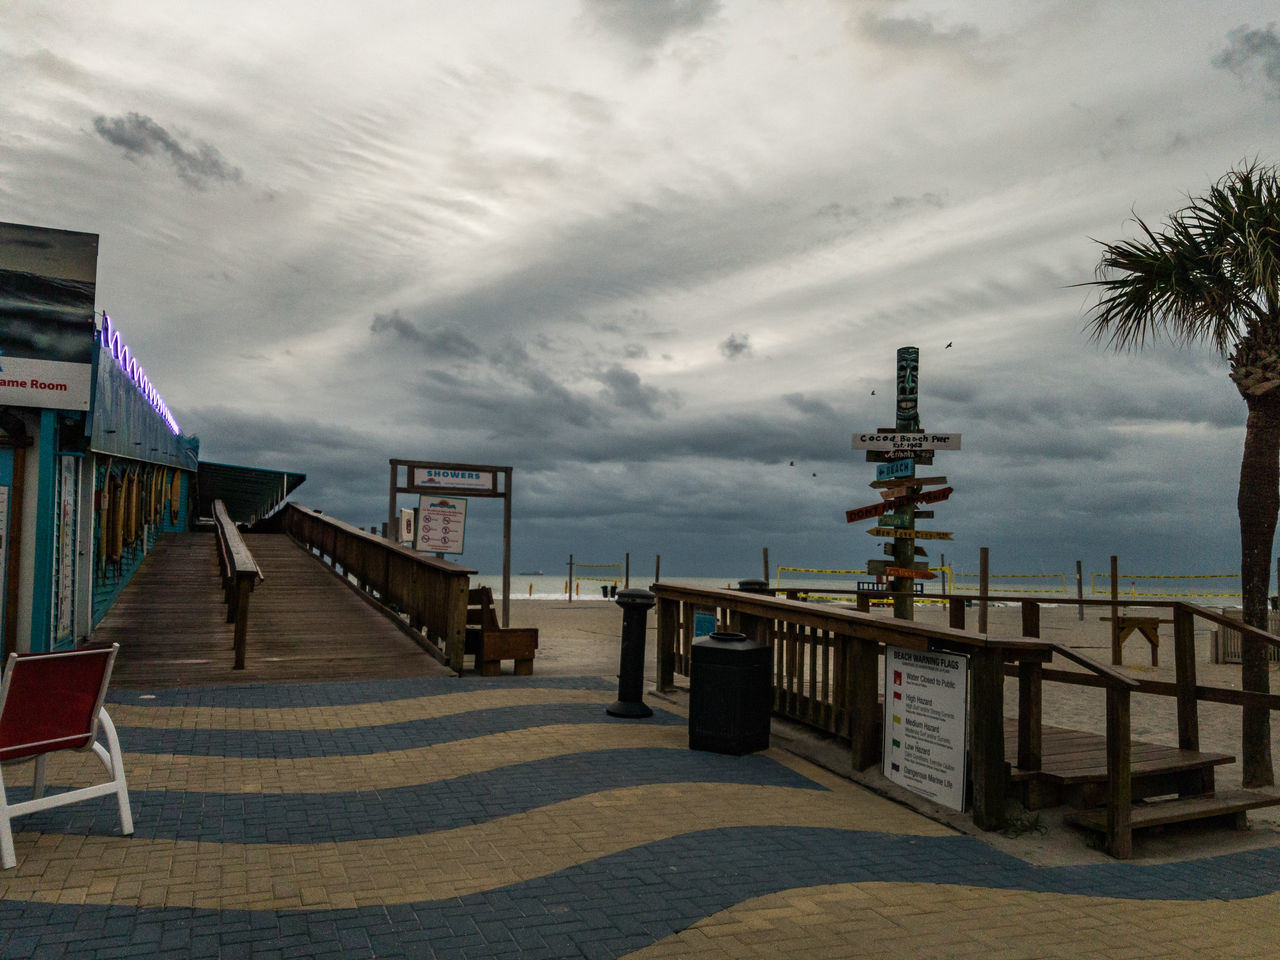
(1161,812)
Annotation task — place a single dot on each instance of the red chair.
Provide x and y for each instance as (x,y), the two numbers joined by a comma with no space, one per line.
(51,702)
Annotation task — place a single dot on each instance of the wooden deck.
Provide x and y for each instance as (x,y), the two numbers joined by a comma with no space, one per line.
(304,624)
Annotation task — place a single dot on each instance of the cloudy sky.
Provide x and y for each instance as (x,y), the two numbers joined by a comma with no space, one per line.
(651,252)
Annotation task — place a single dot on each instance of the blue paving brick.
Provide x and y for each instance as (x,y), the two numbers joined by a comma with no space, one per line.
(405,811)
(343,693)
(359,741)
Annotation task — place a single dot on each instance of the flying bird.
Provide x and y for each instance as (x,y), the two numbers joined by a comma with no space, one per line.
(948,346)
(873,393)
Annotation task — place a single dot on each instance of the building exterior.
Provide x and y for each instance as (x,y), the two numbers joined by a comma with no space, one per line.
(93,466)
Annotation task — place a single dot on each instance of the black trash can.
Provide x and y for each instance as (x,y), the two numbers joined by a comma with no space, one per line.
(730,695)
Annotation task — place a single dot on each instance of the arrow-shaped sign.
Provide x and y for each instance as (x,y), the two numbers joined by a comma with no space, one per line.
(910,534)
(909,481)
(889,505)
(904,572)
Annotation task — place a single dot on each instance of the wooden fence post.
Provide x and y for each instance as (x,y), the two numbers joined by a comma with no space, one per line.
(984,577)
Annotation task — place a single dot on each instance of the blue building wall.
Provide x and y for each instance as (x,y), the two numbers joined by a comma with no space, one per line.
(163,507)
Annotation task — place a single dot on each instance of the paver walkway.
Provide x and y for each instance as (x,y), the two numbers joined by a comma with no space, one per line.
(471,817)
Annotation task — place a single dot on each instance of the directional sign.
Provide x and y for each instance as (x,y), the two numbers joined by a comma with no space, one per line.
(866,513)
(896,468)
(904,483)
(889,549)
(894,520)
(910,534)
(889,456)
(901,496)
(906,441)
(904,572)
(877,568)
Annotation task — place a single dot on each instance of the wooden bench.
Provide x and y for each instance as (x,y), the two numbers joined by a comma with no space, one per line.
(490,643)
(1147,627)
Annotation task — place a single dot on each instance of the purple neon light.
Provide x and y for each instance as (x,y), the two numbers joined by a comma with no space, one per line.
(133,370)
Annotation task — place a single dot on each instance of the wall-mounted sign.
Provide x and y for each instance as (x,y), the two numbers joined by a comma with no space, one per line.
(47,280)
(454,479)
(926,723)
(442,523)
(406,526)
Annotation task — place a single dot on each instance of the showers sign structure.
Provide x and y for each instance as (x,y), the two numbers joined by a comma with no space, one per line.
(897,451)
(442,515)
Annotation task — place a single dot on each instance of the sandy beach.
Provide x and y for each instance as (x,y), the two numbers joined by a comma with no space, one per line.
(584,638)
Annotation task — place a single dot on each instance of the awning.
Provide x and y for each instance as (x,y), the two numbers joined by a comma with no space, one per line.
(250,493)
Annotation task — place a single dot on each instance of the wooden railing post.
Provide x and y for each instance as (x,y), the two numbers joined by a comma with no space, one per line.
(668,619)
(863,700)
(243,587)
(1119,774)
(955,613)
(1030,696)
(455,626)
(986,718)
(1184,659)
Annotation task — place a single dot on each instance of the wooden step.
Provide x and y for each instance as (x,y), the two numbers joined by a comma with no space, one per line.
(1160,812)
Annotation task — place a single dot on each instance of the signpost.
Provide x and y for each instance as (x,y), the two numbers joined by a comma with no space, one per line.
(433,481)
(897,451)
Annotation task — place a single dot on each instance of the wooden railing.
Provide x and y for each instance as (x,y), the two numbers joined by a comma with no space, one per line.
(240,574)
(826,670)
(428,595)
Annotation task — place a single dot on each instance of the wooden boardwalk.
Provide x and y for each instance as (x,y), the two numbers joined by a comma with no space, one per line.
(304,624)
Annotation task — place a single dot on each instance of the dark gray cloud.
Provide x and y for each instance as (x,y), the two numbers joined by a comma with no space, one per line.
(651,23)
(447,342)
(1248,50)
(914,33)
(736,346)
(809,405)
(624,388)
(196,164)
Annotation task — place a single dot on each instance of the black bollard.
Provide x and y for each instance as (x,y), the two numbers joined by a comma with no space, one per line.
(635,606)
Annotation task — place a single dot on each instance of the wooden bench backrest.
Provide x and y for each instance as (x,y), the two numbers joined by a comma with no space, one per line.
(480,611)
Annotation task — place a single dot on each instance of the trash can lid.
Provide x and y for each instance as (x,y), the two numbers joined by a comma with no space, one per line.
(729,648)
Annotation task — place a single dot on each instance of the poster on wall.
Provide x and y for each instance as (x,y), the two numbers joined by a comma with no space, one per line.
(4,546)
(64,574)
(47,281)
(926,722)
(442,522)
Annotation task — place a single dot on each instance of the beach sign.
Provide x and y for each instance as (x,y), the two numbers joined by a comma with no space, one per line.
(908,442)
(895,468)
(442,522)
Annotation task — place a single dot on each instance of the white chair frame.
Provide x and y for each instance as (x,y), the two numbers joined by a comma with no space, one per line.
(109,755)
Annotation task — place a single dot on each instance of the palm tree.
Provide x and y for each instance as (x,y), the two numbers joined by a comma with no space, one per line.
(1213,275)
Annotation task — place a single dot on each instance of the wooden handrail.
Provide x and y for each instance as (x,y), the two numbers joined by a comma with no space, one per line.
(428,596)
(240,574)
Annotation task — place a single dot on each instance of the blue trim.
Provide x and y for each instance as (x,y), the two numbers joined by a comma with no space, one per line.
(46,526)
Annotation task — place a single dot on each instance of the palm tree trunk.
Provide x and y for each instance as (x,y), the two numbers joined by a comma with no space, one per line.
(1258,503)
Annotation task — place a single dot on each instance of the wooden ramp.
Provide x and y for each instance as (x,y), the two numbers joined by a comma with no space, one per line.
(304,624)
